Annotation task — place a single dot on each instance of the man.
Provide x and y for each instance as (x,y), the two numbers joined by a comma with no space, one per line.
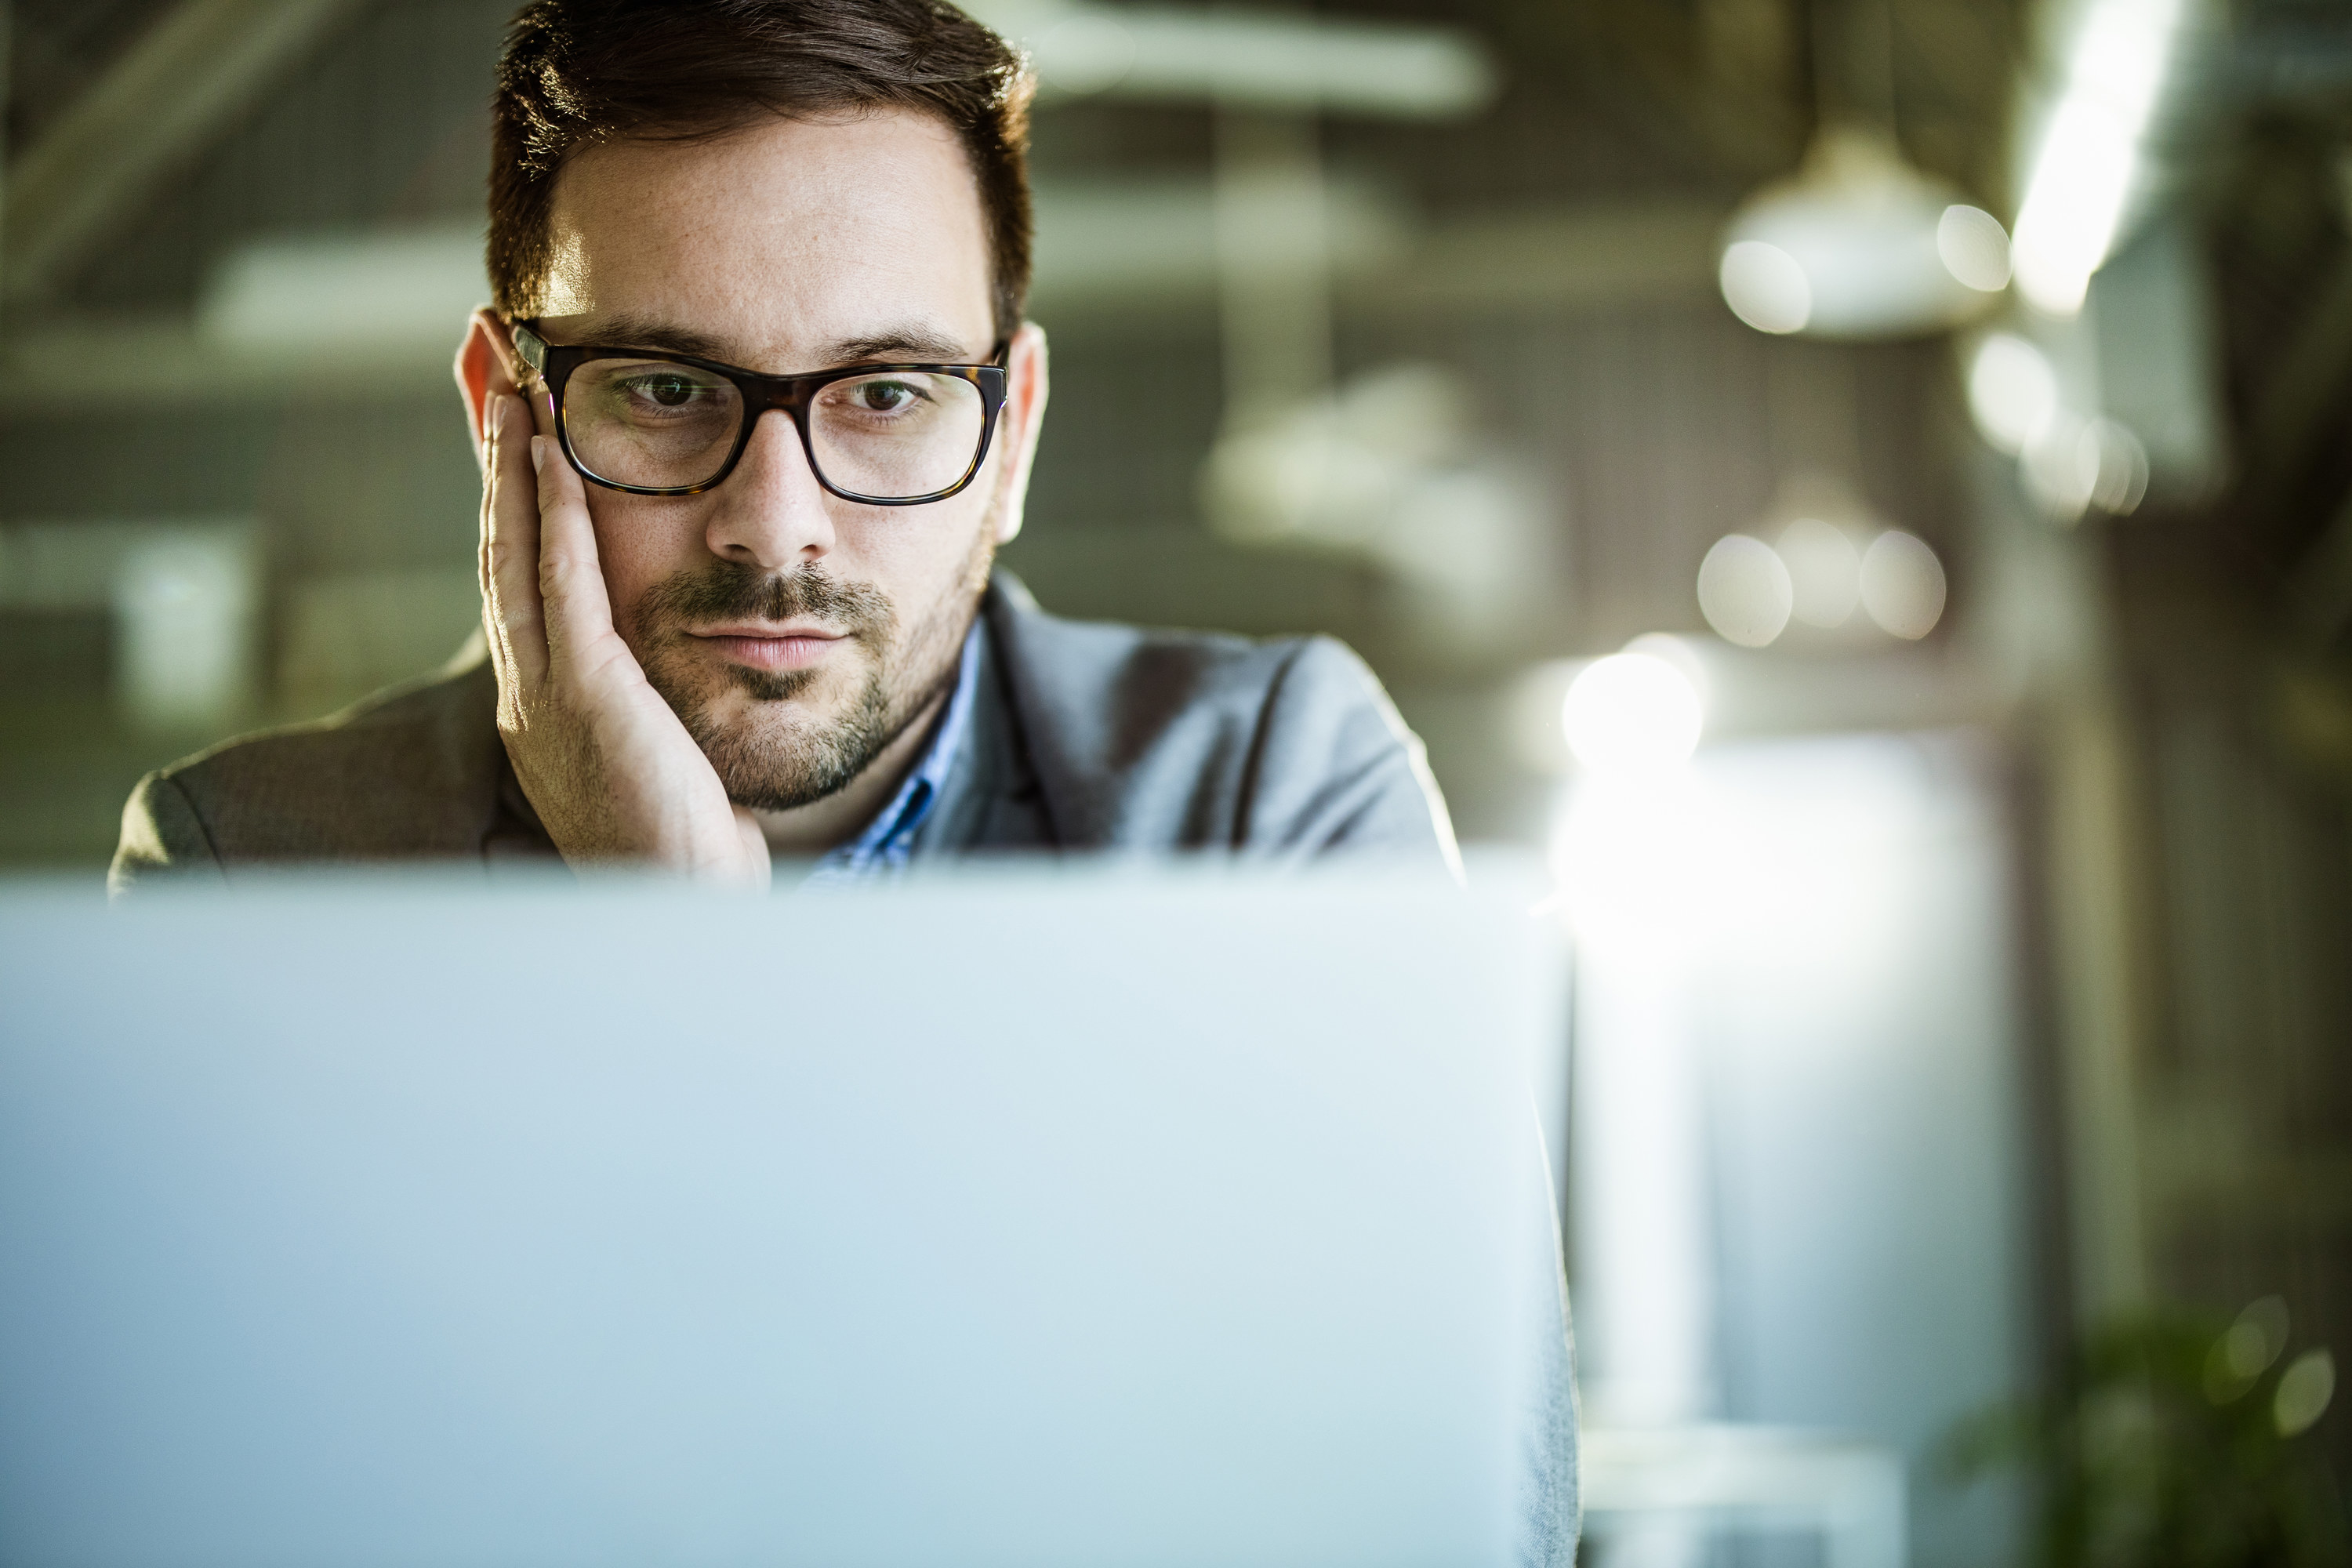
(755,406)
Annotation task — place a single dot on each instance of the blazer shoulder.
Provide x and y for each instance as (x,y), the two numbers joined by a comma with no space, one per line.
(411,771)
(1161,739)
(161,833)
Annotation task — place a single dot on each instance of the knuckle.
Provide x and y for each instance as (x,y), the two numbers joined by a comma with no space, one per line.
(558,569)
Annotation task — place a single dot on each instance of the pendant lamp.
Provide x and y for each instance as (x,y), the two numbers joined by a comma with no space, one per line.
(1860,245)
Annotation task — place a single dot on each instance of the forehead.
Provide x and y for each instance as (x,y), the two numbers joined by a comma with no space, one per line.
(776,241)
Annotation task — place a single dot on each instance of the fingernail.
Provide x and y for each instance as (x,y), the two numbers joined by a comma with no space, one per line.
(538,454)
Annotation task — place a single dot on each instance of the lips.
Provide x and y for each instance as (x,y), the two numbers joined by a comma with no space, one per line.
(767,648)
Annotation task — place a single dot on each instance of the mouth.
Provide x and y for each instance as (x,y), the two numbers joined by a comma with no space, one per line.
(771,647)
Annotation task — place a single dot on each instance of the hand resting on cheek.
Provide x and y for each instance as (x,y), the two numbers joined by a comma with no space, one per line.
(611,771)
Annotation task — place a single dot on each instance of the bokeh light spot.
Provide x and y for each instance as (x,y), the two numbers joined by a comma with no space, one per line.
(1903,585)
(1974,247)
(2113,465)
(2012,392)
(1744,591)
(1766,287)
(2079,464)
(2304,1389)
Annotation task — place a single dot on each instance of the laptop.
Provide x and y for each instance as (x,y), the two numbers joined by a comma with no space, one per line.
(1107,1219)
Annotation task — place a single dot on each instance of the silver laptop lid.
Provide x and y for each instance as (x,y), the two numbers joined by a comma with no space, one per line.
(1104,1221)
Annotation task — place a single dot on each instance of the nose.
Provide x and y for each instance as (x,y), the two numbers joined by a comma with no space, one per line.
(771,512)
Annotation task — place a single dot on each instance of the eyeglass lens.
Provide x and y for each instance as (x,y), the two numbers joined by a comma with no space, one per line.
(657,425)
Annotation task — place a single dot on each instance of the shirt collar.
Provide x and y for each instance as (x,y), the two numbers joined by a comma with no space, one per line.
(884,843)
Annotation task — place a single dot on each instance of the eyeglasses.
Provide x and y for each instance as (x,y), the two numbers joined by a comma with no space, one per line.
(670,425)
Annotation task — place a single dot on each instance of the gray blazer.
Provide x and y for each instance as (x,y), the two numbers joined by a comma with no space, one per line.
(1083,737)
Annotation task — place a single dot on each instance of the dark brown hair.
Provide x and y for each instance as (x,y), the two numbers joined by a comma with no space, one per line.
(578,73)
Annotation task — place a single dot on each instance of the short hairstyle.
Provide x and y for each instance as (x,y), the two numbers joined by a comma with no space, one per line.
(580,72)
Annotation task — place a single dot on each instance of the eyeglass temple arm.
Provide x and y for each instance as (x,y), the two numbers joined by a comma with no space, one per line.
(532,347)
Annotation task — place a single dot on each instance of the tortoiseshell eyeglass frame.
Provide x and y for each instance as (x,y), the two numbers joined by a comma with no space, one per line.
(553,363)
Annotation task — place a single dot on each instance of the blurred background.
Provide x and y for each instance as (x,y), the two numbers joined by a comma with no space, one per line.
(1866,486)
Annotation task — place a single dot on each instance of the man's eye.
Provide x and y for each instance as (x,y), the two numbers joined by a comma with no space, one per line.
(883,397)
(669,391)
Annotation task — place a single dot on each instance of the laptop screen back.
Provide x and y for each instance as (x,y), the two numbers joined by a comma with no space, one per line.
(1106,1221)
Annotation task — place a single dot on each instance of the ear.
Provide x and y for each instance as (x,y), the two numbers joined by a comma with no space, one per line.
(486,368)
(1017,426)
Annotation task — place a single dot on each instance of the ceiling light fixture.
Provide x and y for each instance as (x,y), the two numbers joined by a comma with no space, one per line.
(1860,245)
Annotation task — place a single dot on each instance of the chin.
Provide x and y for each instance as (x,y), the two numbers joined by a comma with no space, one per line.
(737,696)
(786,720)
(784,739)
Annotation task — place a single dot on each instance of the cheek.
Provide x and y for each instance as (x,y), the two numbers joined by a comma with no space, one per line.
(918,555)
(641,539)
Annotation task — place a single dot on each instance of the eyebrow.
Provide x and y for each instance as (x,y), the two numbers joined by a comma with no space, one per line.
(642,332)
(902,343)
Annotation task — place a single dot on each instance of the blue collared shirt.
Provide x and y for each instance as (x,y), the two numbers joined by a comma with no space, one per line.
(881,849)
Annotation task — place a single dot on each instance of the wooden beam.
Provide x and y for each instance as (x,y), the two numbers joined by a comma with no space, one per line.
(159,108)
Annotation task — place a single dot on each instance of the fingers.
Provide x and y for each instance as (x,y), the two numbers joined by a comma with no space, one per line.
(578,612)
(482,571)
(510,547)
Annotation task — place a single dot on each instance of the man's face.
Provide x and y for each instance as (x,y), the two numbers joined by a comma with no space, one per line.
(796,634)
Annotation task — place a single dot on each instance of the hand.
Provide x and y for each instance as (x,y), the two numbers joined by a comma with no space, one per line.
(613,772)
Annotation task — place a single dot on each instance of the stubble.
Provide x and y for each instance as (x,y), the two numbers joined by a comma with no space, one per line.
(764,762)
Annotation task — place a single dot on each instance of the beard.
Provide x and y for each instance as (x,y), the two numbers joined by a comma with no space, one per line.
(764,761)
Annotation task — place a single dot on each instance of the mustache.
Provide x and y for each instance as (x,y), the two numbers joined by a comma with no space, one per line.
(728,591)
